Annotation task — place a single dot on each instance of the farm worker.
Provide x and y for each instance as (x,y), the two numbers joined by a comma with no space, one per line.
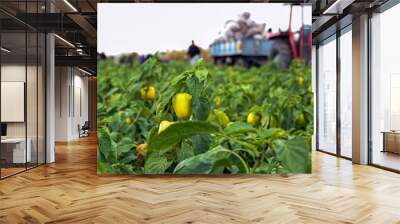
(142,58)
(193,52)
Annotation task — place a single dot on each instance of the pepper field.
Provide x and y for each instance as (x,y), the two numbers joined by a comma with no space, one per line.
(229,120)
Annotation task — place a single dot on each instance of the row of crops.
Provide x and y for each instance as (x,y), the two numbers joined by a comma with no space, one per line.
(157,118)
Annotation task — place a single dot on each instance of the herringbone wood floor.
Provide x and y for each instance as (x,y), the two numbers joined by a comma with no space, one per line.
(69,191)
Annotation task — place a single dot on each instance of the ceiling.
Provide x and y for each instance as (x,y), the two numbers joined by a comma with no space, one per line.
(73,21)
(330,13)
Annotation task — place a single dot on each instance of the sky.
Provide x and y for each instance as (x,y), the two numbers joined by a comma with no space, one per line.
(150,27)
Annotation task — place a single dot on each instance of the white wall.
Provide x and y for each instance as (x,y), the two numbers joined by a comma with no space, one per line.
(12,73)
(314,89)
(79,115)
(33,127)
(70,83)
(62,81)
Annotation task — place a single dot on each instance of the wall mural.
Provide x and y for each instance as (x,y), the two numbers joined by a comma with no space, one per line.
(242,105)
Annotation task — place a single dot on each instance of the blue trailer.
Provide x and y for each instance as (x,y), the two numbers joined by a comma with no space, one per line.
(244,52)
(246,47)
(282,47)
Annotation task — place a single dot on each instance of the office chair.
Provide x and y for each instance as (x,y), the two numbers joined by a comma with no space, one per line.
(84,130)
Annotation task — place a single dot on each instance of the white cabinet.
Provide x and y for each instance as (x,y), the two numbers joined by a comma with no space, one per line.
(18,149)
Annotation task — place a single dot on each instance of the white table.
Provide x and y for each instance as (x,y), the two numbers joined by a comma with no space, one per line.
(19,155)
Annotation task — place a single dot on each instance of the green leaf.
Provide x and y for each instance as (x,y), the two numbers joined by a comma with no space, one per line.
(268,167)
(164,100)
(294,154)
(272,134)
(212,161)
(201,143)
(105,146)
(251,152)
(194,88)
(184,152)
(123,168)
(130,156)
(202,74)
(238,128)
(101,167)
(201,109)
(104,141)
(123,149)
(156,163)
(245,146)
(179,131)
